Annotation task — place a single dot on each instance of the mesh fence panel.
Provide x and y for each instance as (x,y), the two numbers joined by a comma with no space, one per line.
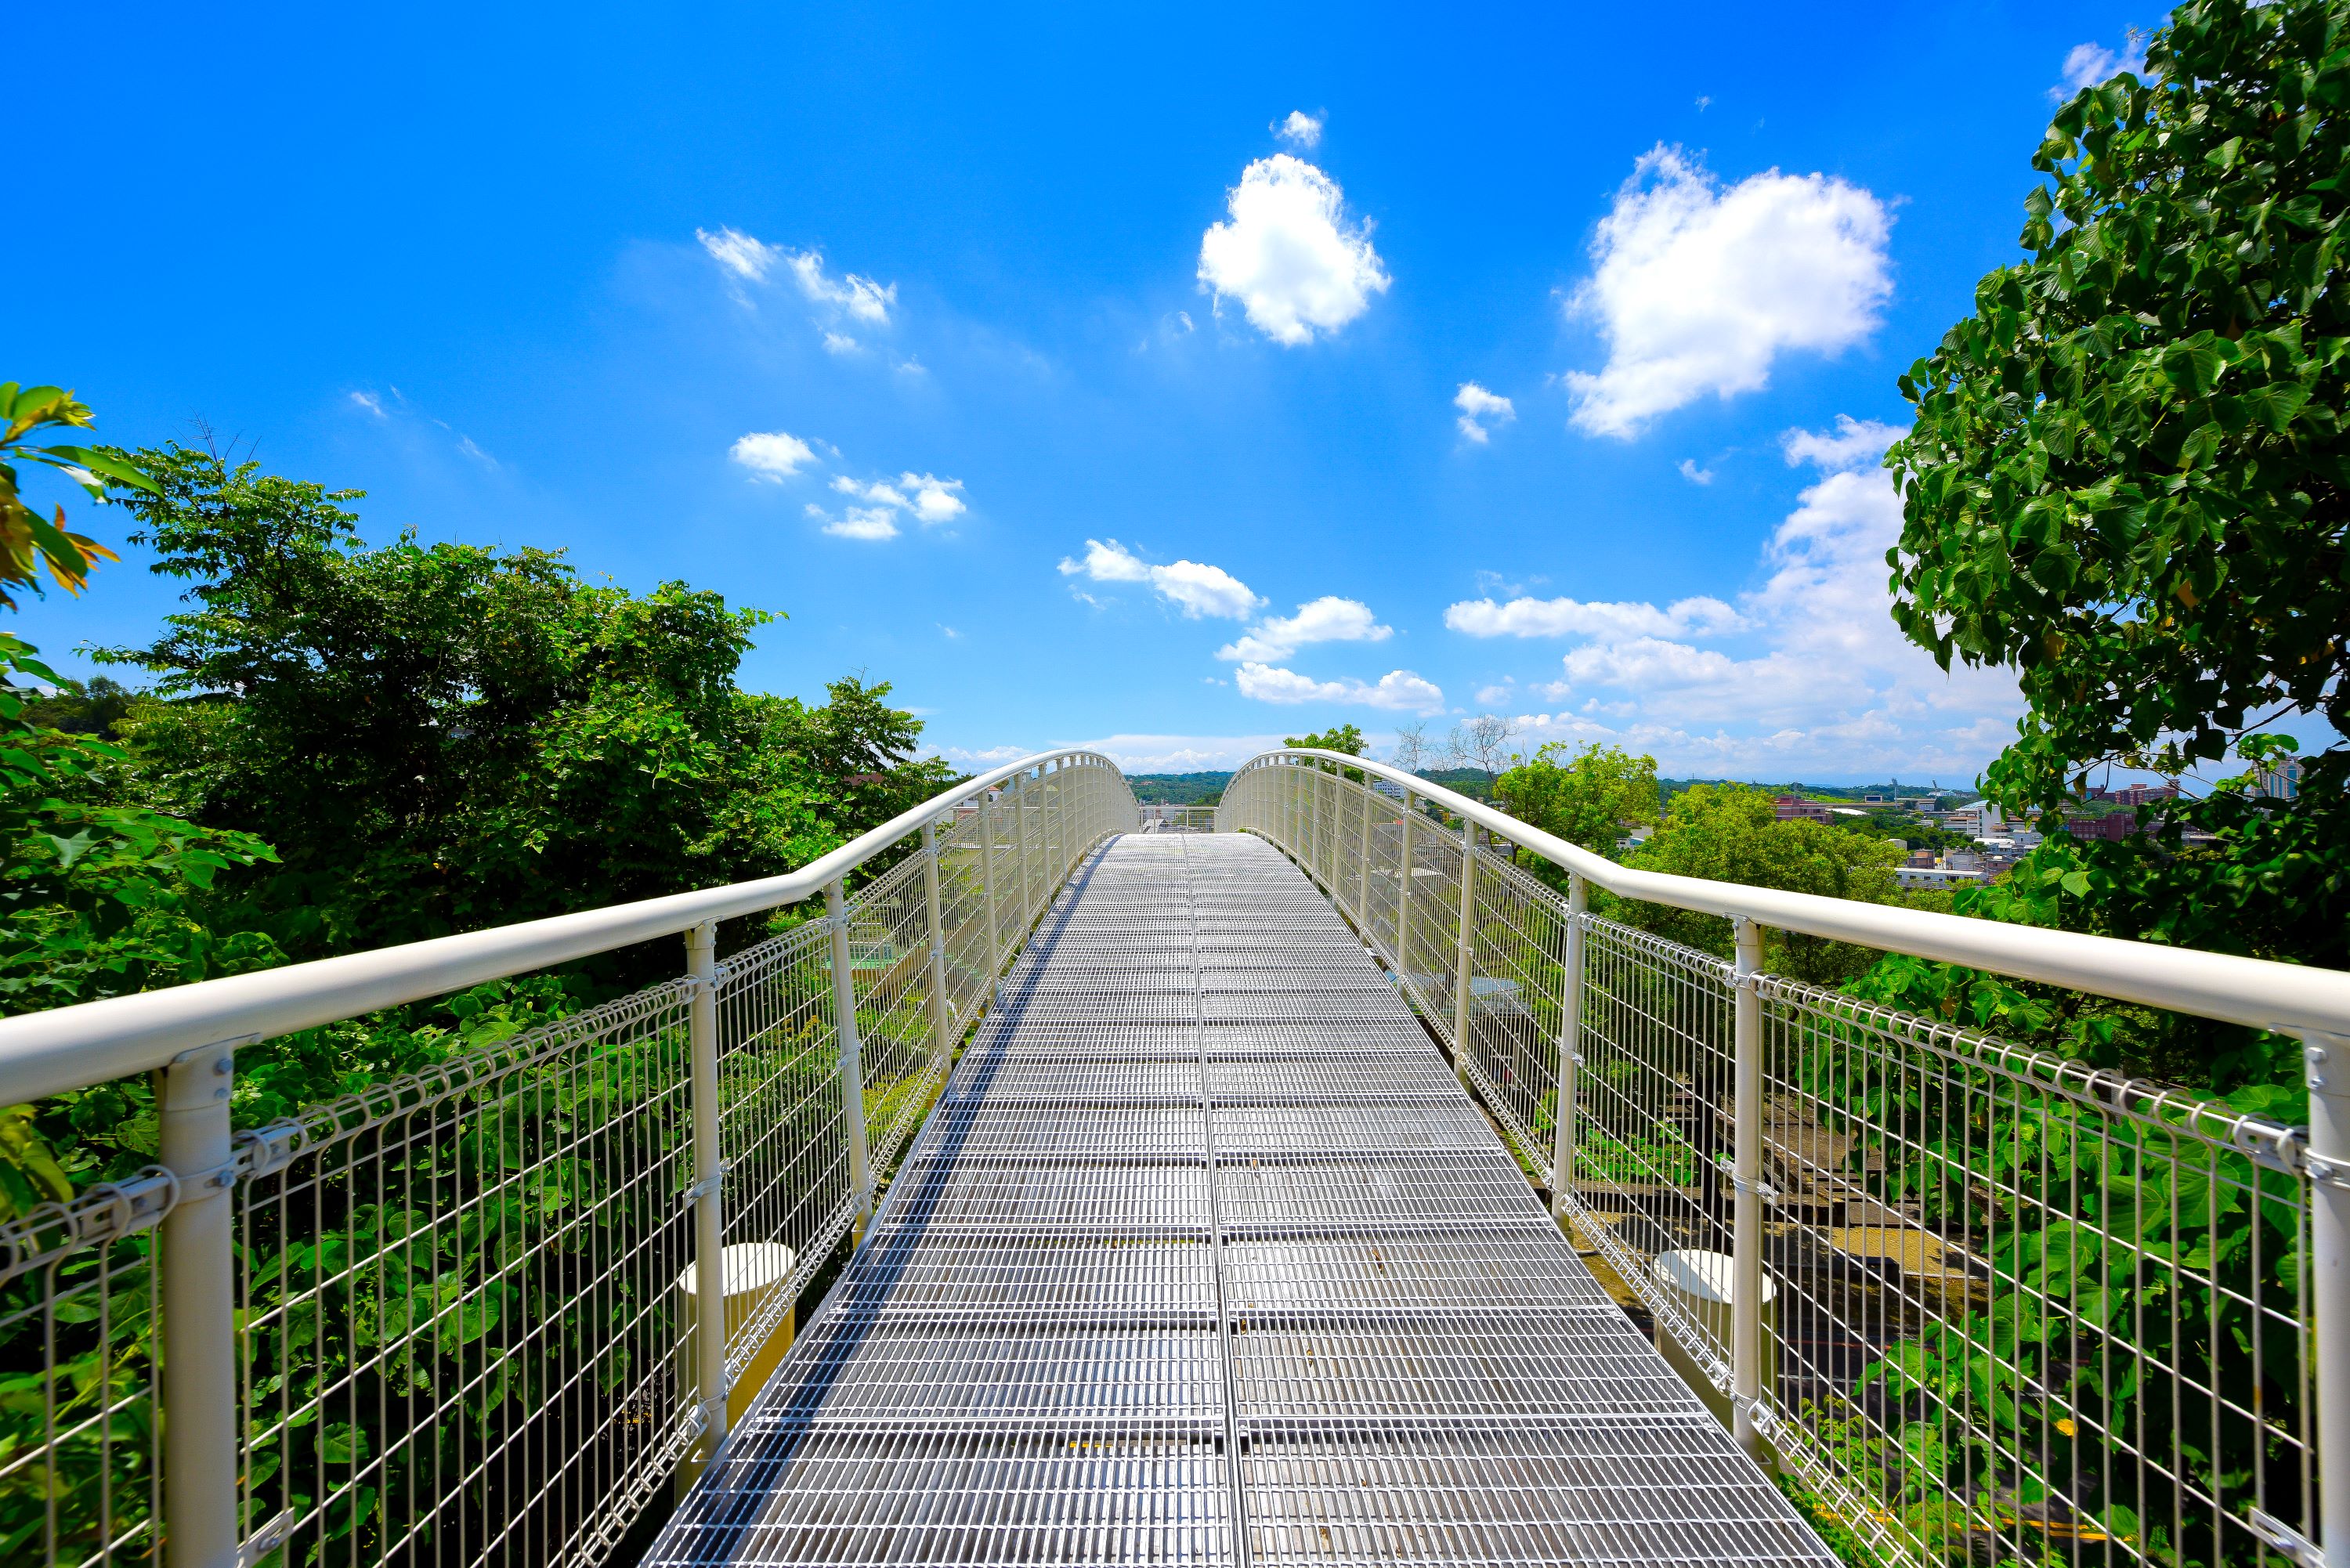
(465,1317)
(79,1477)
(2017,1309)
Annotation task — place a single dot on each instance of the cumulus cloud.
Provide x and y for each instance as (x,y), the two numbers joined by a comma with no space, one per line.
(2088,65)
(1398,690)
(934,500)
(1854,444)
(869,523)
(1477,405)
(847,297)
(1822,679)
(1179,753)
(1300,129)
(1697,288)
(774,455)
(1195,588)
(1694,473)
(1698,616)
(1327,619)
(1289,255)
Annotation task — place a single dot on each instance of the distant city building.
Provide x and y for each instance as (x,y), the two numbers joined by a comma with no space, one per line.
(2138,794)
(1922,859)
(2279,780)
(1795,808)
(1934,875)
(2115,824)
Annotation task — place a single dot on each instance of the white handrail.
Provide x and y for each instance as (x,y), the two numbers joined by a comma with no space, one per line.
(92,1041)
(2293,998)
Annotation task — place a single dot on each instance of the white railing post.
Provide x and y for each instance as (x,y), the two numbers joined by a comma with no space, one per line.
(1570,1045)
(2326,1059)
(1364,799)
(852,1071)
(1746,1174)
(201,1353)
(941,1008)
(1405,870)
(709,1184)
(987,890)
(1465,964)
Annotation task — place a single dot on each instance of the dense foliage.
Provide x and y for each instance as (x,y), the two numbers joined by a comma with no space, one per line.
(2128,479)
(1589,799)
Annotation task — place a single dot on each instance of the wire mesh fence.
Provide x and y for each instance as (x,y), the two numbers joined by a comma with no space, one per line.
(465,1297)
(2014,1309)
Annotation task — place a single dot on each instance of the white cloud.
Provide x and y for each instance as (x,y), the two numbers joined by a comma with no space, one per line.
(1289,255)
(1476,404)
(773,456)
(934,500)
(1699,288)
(1699,617)
(738,252)
(1854,444)
(930,498)
(1193,587)
(1824,682)
(371,403)
(1301,129)
(1399,688)
(873,523)
(2089,65)
(1694,473)
(1327,619)
(859,297)
(840,343)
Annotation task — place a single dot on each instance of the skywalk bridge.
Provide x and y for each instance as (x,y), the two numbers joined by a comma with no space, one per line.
(1206,1257)
(1140,1193)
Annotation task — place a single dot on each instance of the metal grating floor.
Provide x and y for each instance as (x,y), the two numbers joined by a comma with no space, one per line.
(1205,1231)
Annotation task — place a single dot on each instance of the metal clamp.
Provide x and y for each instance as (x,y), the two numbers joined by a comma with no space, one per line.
(1760,1188)
(2324,1172)
(265,1539)
(2284,1538)
(708,1184)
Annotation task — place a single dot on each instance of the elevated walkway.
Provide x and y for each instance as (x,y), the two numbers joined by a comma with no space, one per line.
(1207,1258)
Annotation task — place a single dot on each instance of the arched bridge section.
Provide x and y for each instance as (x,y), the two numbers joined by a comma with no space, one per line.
(1206,1257)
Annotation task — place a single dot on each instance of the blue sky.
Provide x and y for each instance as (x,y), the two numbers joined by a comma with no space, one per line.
(1175,382)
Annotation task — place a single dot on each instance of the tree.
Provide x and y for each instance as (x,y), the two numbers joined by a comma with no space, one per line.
(1482,742)
(439,738)
(1411,751)
(1344,738)
(1729,833)
(1588,799)
(28,542)
(2127,479)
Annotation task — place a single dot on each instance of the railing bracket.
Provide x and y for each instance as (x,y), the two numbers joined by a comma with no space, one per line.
(707,1185)
(265,1539)
(2284,1538)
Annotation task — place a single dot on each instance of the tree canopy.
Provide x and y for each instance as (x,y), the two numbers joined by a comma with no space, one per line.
(1588,799)
(2127,479)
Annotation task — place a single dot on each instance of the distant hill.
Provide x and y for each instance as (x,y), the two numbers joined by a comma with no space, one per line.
(1178,789)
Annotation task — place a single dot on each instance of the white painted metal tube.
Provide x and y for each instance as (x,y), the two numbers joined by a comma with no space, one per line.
(852,1069)
(1746,1168)
(1464,963)
(709,1198)
(943,1030)
(1570,1047)
(2327,1070)
(987,891)
(68,1047)
(1404,865)
(202,1350)
(2288,998)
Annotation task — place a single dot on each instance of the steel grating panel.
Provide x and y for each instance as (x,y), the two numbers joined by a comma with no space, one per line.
(1206,1258)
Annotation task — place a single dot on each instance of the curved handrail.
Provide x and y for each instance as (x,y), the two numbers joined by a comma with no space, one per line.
(91,1041)
(2293,998)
